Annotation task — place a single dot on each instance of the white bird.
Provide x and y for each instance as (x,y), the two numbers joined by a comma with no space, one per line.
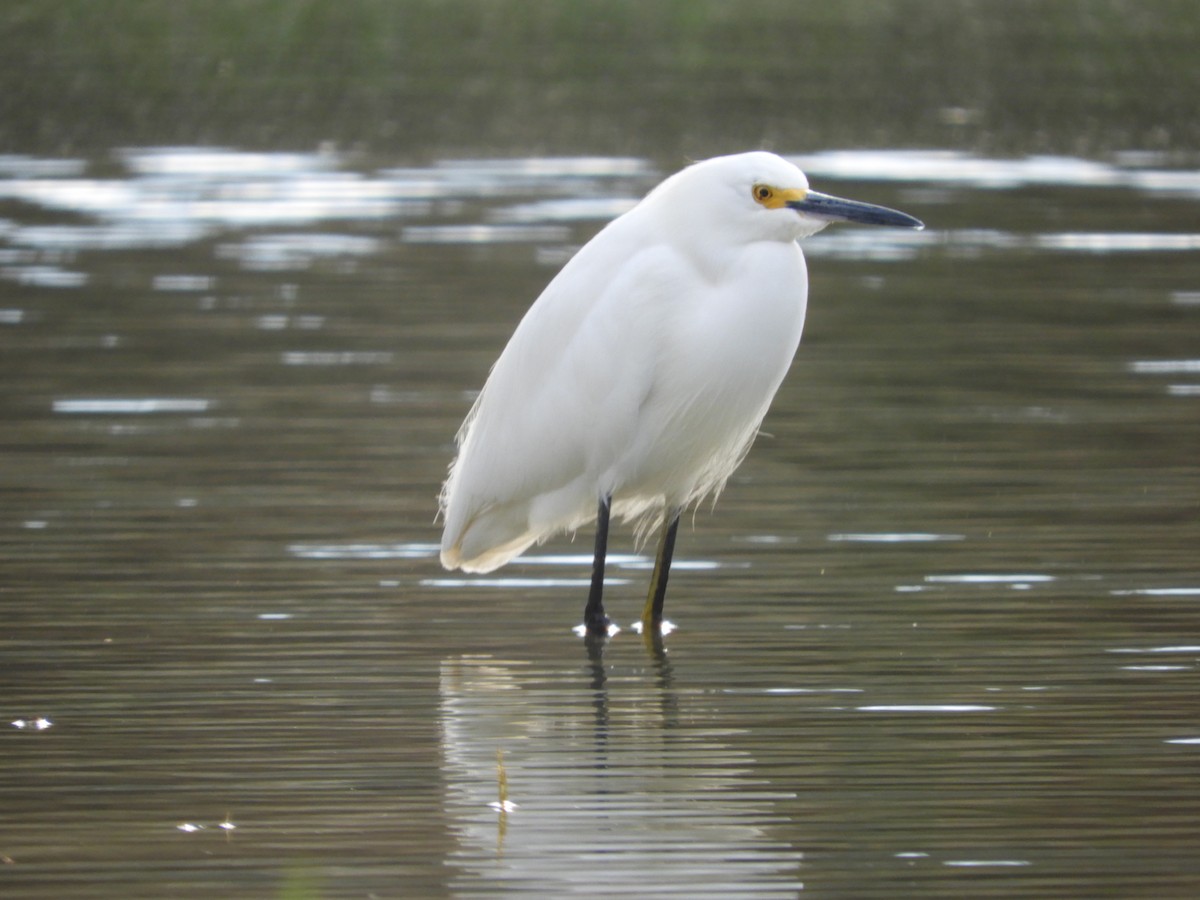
(637,381)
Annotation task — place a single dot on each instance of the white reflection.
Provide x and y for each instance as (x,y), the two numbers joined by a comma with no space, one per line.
(110,236)
(277,252)
(362,551)
(14,166)
(956,168)
(141,406)
(769,539)
(577,559)
(553,167)
(515,582)
(581,630)
(1173,648)
(686,565)
(1160,592)
(627,561)
(586,209)
(875,245)
(221,164)
(952,167)
(177,195)
(1172,182)
(44,276)
(1019,582)
(110,199)
(665,627)
(282,323)
(633,561)
(1117,242)
(791,690)
(183,283)
(1164,366)
(337,358)
(40,723)
(180,195)
(894,538)
(900,246)
(484,234)
(225,825)
(933,708)
(635,798)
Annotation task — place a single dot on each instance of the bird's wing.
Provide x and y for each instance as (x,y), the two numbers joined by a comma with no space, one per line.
(559,406)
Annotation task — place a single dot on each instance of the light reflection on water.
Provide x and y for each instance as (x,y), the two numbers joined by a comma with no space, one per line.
(177,195)
(612,770)
(933,641)
(956,168)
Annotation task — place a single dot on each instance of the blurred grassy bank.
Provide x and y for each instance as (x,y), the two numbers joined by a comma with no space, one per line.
(666,78)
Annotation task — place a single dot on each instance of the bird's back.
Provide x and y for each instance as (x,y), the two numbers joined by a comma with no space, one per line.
(642,373)
(557,402)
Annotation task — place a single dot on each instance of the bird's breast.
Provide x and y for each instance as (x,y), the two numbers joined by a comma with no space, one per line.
(724,351)
(749,320)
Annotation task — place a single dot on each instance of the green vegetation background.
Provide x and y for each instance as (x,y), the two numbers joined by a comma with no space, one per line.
(649,77)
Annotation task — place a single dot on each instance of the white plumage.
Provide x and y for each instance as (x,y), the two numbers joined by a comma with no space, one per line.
(643,370)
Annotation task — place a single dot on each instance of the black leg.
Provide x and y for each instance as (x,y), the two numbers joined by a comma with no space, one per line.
(594,619)
(653,613)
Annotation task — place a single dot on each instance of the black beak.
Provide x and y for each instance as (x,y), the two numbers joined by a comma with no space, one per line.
(835,209)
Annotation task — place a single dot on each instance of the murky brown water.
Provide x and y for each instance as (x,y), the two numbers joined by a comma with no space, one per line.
(939,637)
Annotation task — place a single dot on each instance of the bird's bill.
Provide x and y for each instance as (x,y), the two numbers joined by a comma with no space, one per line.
(835,209)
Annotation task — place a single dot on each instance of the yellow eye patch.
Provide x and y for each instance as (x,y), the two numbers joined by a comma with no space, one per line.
(775,198)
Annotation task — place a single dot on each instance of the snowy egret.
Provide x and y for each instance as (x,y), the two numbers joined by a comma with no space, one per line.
(636,382)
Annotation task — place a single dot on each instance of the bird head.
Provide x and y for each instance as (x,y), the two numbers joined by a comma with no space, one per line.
(761,196)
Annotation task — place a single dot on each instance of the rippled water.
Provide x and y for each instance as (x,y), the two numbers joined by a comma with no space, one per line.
(937,639)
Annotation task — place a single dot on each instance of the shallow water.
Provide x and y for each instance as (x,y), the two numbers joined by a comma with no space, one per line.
(938,637)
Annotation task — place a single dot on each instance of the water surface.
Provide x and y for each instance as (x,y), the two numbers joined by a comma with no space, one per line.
(938,638)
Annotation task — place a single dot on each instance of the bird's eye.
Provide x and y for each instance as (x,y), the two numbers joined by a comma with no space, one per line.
(762,193)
